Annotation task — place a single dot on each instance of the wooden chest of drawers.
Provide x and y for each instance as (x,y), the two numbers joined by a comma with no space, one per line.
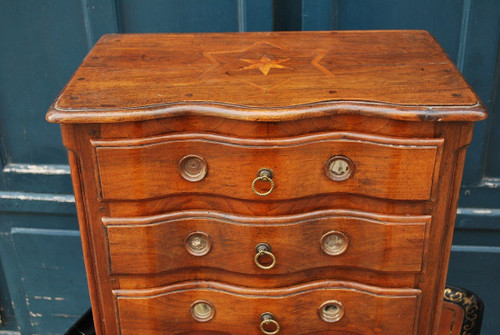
(292,183)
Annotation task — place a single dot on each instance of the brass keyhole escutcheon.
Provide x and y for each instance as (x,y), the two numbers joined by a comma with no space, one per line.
(193,168)
(202,311)
(334,243)
(198,243)
(339,168)
(268,325)
(331,311)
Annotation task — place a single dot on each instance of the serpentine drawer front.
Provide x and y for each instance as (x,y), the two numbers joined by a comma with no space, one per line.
(375,166)
(301,242)
(318,307)
(267,183)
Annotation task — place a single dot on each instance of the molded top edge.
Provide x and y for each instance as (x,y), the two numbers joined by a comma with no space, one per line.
(475,112)
(268,76)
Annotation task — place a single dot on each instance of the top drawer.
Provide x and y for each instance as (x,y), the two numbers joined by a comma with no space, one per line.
(338,162)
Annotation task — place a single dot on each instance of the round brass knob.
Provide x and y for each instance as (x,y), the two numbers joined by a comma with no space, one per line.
(264,175)
(268,321)
(263,250)
(202,311)
(193,168)
(198,243)
(331,311)
(334,243)
(339,168)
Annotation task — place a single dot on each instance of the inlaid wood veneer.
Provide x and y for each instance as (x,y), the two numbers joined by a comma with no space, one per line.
(267,183)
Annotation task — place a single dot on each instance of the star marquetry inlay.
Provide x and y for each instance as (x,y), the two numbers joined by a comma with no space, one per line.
(263,56)
(265,64)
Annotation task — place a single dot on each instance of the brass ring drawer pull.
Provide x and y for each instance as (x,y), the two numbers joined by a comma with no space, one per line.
(264,175)
(264,249)
(267,319)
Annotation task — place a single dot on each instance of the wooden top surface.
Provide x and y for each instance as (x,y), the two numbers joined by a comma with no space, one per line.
(268,77)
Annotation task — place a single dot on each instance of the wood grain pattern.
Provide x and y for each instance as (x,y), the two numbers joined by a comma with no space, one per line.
(348,274)
(383,166)
(285,101)
(368,310)
(451,321)
(249,129)
(260,207)
(267,76)
(157,244)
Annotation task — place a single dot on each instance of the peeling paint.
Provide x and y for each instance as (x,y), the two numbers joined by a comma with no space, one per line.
(38,297)
(66,315)
(37,197)
(49,169)
(479,211)
(491,184)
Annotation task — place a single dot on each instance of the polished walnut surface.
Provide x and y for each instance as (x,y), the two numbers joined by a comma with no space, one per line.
(268,76)
(345,136)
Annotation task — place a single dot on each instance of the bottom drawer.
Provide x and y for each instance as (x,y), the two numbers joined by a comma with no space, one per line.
(325,307)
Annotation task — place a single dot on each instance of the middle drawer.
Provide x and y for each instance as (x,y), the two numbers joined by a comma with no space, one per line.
(266,245)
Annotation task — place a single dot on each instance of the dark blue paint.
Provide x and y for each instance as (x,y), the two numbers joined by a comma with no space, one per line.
(477,269)
(101,17)
(52,180)
(319,15)
(139,16)
(287,15)
(54,281)
(441,18)
(42,43)
(39,261)
(258,15)
(480,59)
(492,168)
(6,312)
(23,202)
(483,195)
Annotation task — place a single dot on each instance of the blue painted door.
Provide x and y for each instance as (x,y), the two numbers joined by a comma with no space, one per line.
(42,278)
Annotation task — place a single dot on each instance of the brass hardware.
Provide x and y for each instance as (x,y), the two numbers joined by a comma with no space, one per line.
(264,249)
(202,311)
(339,168)
(331,311)
(266,320)
(193,168)
(198,243)
(264,175)
(334,243)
